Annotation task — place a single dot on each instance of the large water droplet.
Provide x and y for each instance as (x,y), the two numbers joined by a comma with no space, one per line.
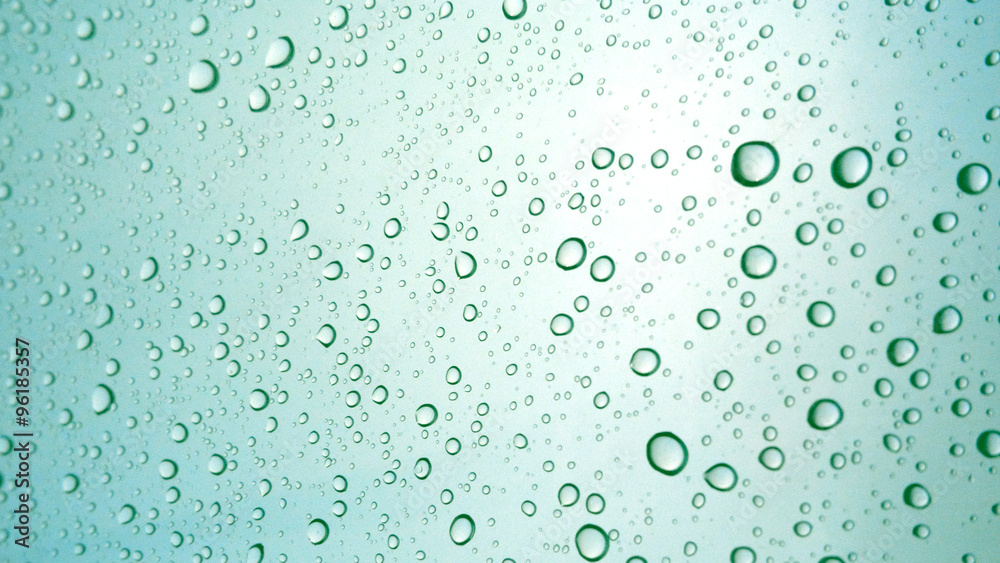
(426,415)
(821,314)
(901,351)
(721,477)
(561,324)
(645,361)
(568,494)
(592,542)
(708,318)
(988,443)
(279,53)
(659,158)
(102,398)
(259,99)
(974,178)
(772,458)
(824,414)
(333,270)
(947,320)
(754,163)
(326,335)
(317,531)
(602,158)
(571,253)
(148,269)
(299,230)
(514,9)
(465,265)
(758,262)
(917,496)
(666,453)
(203,76)
(462,529)
(851,167)
(338,18)
(602,269)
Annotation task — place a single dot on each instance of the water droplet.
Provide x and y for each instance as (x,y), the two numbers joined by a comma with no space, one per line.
(216,464)
(561,325)
(947,320)
(568,494)
(279,53)
(803,172)
(807,233)
(462,529)
(199,25)
(758,262)
(721,477)
(426,415)
(821,314)
(101,399)
(202,76)
(945,222)
(255,554)
(852,167)
(571,253)
(988,443)
(465,265)
(148,269)
(326,335)
(754,163)
(901,351)
(917,496)
(259,99)
(592,542)
(338,18)
(485,153)
(602,158)
(659,158)
(885,276)
(772,458)
(422,469)
(824,414)
(602,269)
(743,555)
(645,361)
(514,9)
(666,453)
(708,319)
(299,230)
(974,178)
(317,531)
(259,399)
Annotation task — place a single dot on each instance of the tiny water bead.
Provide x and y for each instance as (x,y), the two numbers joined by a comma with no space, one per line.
(667,453)
(754,164)
(852,167)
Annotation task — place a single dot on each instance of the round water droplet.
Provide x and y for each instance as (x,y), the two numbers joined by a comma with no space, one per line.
(602,269)
(917,496)
(807,233)
(216,464)
(592,542)
(945,222)
(317,531)
(561,325)
(821,314)
(803,172)
(721,477)
(202,76)
(568,494)
(102,398)
(645,361)
(758,262)
(485,153)
(326,335)
(279,53)
(259,399)
(259,99)
(901,351)
(708,319)
(422,469)
(666,453)
(255,554)
(514,9)
(988,443)
(851,167)
(754,163)
(824,414)
(462,529)
(602,158)
(974,178)
(743,555)
(659,158)
(465,265)
(947,320)
(571,253)
(392,228)
(772,458)
(199,25)
(299,230)
(426,415)
(885,276)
